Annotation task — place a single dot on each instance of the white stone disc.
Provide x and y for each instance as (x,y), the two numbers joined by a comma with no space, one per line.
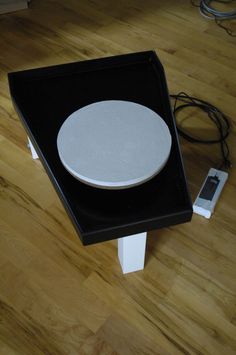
(114,144)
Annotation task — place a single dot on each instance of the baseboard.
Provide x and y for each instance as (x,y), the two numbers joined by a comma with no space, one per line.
(7,6)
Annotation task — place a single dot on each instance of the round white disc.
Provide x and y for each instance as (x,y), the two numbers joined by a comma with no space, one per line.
(114,144)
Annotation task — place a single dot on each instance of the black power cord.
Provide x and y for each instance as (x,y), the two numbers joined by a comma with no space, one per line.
(210,12)
(182,101)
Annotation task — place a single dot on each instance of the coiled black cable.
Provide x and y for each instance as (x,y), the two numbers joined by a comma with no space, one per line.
(182,101)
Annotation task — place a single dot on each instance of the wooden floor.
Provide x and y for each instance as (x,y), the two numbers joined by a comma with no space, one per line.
(58,297)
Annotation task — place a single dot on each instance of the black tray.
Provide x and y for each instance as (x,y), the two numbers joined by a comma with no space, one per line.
(45,97)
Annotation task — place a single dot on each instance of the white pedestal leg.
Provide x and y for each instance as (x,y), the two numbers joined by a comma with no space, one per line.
(33,151)
(131,252)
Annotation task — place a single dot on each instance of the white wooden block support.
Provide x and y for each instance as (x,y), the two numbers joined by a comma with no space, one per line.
(33,151)
(131,252)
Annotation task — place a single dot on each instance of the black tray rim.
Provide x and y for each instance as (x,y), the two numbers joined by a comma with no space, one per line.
(103,234)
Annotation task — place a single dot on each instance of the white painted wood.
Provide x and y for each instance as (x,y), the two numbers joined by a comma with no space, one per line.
(33,151)
(131,252)
(114,144)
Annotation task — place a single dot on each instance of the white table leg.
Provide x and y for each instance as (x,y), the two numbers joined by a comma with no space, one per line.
(131,252)
(33,151)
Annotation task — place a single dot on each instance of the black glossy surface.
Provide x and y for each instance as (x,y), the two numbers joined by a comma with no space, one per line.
(45,97)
